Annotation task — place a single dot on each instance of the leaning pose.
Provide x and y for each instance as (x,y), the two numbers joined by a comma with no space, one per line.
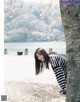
(58,63)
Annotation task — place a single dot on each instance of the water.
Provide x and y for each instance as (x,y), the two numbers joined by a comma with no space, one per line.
(13,48)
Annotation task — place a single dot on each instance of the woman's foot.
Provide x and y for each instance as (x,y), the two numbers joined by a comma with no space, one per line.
(63,92)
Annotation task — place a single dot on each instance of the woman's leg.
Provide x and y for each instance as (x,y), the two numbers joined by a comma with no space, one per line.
(60,76)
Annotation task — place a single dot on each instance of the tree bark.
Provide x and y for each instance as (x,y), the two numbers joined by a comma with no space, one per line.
(70,14)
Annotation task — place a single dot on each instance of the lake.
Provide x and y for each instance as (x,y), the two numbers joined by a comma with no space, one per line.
(13,48)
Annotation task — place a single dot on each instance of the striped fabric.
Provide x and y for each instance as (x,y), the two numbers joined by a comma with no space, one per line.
(58,63)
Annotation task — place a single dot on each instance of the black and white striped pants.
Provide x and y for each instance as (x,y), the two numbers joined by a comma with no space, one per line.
(60,76)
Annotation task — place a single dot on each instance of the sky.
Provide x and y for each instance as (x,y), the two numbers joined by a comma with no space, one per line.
(42,1)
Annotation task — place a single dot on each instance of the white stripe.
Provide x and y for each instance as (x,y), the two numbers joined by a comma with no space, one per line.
(61,80)
(58,71)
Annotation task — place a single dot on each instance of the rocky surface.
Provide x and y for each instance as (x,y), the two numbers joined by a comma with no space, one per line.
(18,91)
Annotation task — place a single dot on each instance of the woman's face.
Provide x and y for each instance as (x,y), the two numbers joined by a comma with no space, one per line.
(40,57)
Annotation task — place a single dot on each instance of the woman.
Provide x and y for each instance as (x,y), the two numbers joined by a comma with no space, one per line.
(58,63)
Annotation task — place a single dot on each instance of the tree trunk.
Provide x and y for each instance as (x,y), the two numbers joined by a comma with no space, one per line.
(70,14)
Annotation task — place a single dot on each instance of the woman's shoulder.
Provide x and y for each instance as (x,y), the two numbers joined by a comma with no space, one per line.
(53,55)
(57,55)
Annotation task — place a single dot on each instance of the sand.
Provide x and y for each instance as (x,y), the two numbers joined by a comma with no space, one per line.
(32,92)
(21,84)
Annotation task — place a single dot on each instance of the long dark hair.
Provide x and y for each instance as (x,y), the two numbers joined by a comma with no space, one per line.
(38,63)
